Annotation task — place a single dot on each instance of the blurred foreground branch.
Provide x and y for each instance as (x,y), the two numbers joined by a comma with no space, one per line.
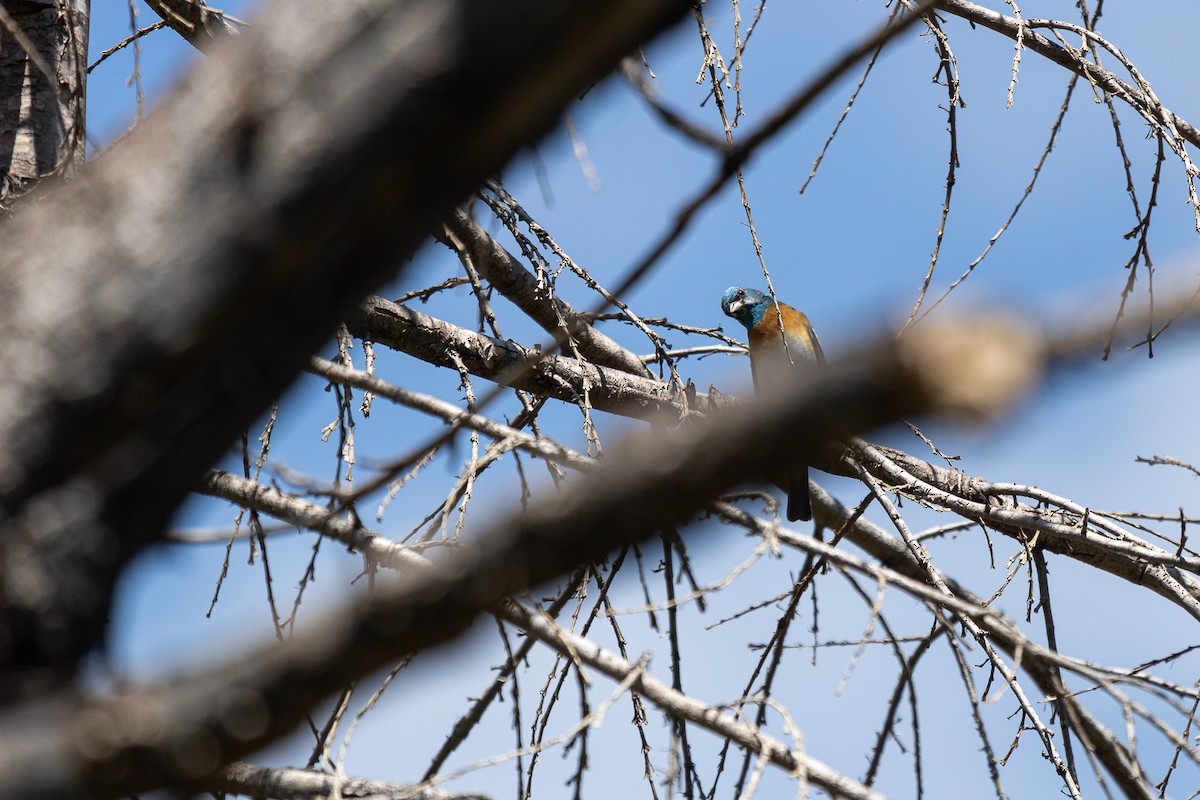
(153,737)
(1065,528)
(176,287)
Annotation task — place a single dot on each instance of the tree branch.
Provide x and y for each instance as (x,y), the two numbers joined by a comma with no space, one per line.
(1073,61)
(508,276)
(282,783)
(198,24)
(508,363)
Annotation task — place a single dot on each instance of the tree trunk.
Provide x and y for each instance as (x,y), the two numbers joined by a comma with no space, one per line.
(43,75)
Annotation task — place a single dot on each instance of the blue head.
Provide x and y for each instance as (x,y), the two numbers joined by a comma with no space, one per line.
(747,306)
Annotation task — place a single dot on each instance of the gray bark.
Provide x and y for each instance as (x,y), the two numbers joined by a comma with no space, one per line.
(43,60)
(194,21)
(506,362)
(511,278)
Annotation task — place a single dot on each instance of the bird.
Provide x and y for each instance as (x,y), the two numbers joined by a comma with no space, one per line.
(781,345)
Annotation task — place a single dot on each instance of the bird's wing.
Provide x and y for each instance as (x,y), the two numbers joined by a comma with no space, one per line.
(803,346)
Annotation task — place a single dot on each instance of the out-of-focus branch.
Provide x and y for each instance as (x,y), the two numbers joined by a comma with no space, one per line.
(896,566)
(152,738)
(153,308)
(388,553)
(1102,545)
(1105,546)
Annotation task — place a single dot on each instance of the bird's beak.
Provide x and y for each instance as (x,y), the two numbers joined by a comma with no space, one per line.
(735,307)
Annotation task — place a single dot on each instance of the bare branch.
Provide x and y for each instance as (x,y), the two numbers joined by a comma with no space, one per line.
(199,25)
(281,783)
(679,705)
(1072,60)
(510,364)
(510,278)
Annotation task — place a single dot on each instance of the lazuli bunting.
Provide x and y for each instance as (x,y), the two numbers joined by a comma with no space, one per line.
(780,344)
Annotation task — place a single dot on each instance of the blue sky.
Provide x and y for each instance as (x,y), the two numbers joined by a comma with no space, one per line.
(851,252)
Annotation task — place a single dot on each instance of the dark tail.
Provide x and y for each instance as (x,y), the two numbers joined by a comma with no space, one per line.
(799,505)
